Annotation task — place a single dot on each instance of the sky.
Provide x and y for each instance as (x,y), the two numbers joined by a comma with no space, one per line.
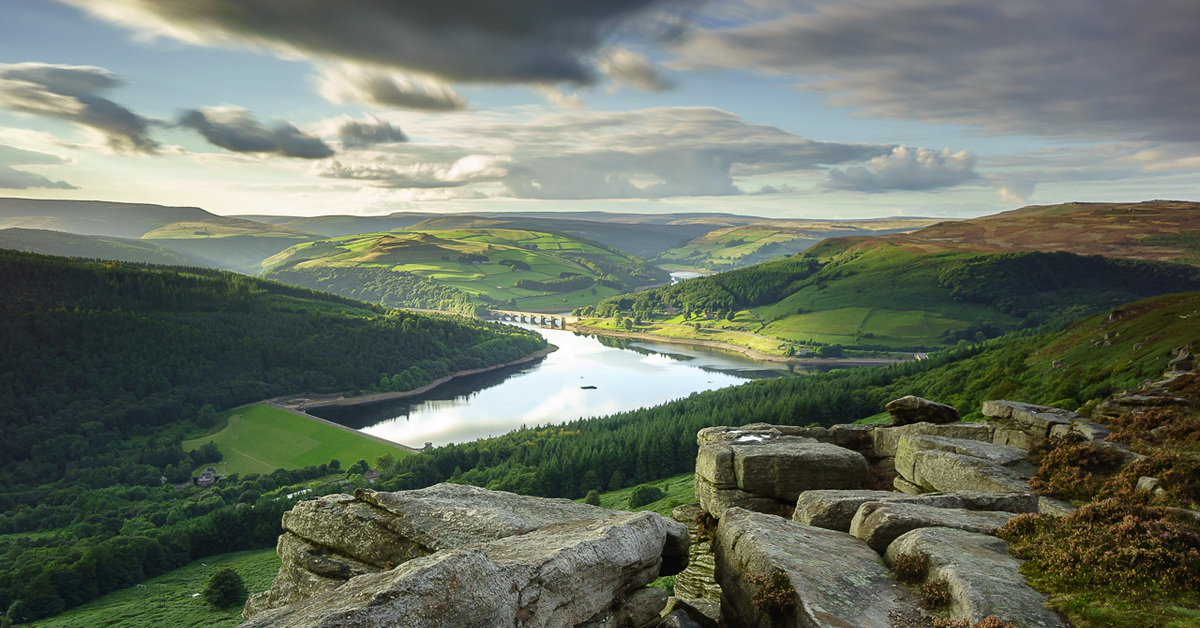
(777,108)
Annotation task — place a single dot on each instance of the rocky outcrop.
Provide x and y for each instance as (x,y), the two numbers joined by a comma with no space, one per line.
(1012,458)
(913,409)
(880,523)
(821,578)
(835,510)
(1024,425)
(577,573)
(984,579)
(765,471)
(331,540)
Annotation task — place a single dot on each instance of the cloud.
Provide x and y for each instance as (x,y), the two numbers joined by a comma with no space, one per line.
(520,41)
(235,129)
(348,83)
(13,179)
(907,169)
(1015,191)
(1088,69)
(625,67)
(468,169)
(69,92)
(648,154)
(356,134)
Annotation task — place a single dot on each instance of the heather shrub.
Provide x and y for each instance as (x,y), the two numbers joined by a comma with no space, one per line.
(1179,477)
(773,593)
(1071,468)
(991,621)
(1124,545)
(911,568)
(935,594)
(1156,426)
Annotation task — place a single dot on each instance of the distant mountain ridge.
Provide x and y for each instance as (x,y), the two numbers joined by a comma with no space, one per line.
(65,244)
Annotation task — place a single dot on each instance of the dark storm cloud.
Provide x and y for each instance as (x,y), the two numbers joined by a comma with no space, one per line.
(1090,69)
(70,93)
(357,134)
(490,41)
(13,179)
(234,129)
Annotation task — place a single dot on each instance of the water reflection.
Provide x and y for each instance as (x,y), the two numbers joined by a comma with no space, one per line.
(586,377)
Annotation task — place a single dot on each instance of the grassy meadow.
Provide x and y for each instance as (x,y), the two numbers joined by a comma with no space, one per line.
(171,599)
(260,438)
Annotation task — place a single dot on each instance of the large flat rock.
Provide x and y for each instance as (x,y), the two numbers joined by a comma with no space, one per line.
(331,539)
(569,574)
(880,523)
(885,440)
(946,471)
(913,409)
(984,579)
(1013,458)
(835,510)
(837,581)
(766,471)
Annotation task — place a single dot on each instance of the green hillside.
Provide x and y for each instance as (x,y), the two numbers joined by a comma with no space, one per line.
(229,243)
(888,297)
(167,600)
(464,270)
(92,247)
(261,438)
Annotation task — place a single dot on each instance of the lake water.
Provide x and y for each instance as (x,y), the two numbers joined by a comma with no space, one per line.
(625,374)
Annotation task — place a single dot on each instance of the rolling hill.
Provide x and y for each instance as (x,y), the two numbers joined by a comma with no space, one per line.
(1155,230)
(122,220)
(464,270)
(888,297)
(92,247)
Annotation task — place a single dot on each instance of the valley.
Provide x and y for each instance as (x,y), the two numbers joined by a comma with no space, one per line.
(125,380)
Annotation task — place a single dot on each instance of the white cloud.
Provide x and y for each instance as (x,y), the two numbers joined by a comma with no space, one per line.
(907,169)
(626,67)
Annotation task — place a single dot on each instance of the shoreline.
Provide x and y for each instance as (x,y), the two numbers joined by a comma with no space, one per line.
(301,403)
(728,346)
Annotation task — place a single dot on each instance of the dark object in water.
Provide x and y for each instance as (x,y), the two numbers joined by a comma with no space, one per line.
(588,387)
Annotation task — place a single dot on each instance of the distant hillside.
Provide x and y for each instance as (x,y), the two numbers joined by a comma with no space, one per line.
(92,247)
(1154,230)
(229,243)
(464,270)
(743,245)
(123,220)
(888,296)
(688,239)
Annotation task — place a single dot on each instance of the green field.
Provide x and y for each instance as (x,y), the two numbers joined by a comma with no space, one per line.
(261,438)
(484,265)
(679,490)
(167,601)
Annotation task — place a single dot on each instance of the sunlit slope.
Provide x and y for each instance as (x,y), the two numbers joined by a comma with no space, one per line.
(464,269)
(888,296)
(229,243)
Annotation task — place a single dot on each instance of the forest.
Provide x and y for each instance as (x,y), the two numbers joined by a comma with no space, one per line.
(106,367)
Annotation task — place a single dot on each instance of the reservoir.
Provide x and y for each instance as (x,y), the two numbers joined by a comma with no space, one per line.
(586,377)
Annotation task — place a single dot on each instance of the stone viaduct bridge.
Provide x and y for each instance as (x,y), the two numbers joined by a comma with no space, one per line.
(553,321)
